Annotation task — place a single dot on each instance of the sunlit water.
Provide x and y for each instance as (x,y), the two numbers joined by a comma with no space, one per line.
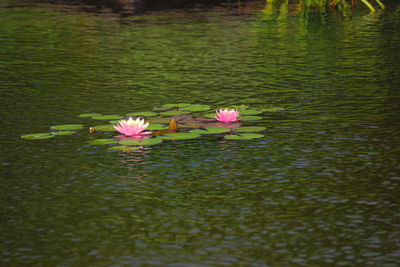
(321,188)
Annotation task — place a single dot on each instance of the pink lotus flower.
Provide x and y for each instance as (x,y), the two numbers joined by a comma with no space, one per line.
(132,127)
(227,115)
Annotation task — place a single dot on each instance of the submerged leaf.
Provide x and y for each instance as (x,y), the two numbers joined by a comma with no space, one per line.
(173,112)
(250,129)
(67,127)
(179,105)
(273,109)
(143,113)
(250,118)
(108,117)
(160,120)
(36,136)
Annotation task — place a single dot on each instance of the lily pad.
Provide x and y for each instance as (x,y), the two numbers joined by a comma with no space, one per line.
(251,112)
(124,148)
(243,136)
(36,136)
(273,109)
(179,105)
(143,142)
(179,136)
(88,115)
(64,132)
(143,113)
(211,131)
(104,128)
(108,117)
(67,127)
(194,108)
(210,115)
(156,126)
(115,122)
(250,129)
(103,141)
(250,118)
(173,112)
(160,120)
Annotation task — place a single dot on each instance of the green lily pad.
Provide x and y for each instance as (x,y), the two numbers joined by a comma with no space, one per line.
(179,136)
(161,108)
(250,118)
(251,112)
(36,136)
(115,122)
(211,131)
(67,127)
(160,120)
(64,132)
(173,112)
(179,105)
(194,108)
(104,128)
(143,142)
(156,126)
(124,148)
(108,117)
(103,141)
(243,136)
(273,109)
(88,115)
(250,129)
(210,115)
(143,113)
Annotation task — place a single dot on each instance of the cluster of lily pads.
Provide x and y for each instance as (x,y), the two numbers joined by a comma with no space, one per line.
(169,122)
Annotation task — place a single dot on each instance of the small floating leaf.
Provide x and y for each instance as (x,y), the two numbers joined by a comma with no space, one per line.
(67,127)
(36,136)
(173,112)
(196,108)
(250,129)
(243,136)
(250,118)
(156,126)
(143,113)
(143,142)
(108,117)
(251,112)
(210,115)
(105,141)
(115,122)
(124,148)
(64,132)
(104,128)
(211,131)
(179,136)
(160,120)
(88,115)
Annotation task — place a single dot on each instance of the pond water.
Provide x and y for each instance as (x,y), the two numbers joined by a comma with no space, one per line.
(322,187)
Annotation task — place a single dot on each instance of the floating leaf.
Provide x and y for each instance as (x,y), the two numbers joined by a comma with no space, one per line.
(251,112)
(36,136)
(179,136)
(273,109)
(88,115)
(173,112)
(115,122)
(250,129)
(67,127)
(143,113)
(160,120)
(179,105)
(243,136)
(194,108)
(105,141)
(124,148)
(156,126)
(250,118)
(108,117)
(211,131)
(143,142)
(161,108)
(210,115)
(64,132)
(104,128)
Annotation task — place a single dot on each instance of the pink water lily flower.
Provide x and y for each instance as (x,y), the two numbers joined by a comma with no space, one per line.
(226,115)
(132,127)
